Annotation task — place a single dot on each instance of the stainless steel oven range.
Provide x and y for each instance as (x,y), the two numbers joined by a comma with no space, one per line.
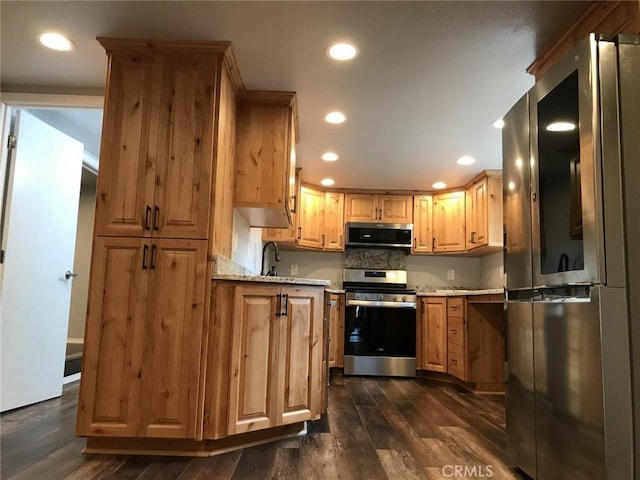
(380,323)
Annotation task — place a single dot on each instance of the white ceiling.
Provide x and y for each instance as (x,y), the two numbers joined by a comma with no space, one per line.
(430,79)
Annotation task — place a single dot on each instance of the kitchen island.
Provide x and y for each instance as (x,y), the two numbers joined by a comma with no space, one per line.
(259,376)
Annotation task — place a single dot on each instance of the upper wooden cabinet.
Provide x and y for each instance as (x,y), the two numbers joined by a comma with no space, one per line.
(422,224)
(484,223)
(310,218)
(449,222)
(333,222)
(368,208)
(157,152)
(265,182)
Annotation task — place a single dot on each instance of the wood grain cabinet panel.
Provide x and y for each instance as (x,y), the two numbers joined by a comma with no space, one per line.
(484,223)
(158,139)
(422,224)
(171,385)
(336,330)
(368,208)
(254,362)
(434,334)
(300,361)
(112,364)
(265,182)
(275,373)
(141,374)
(449,222)
(333,222)
(310,218)
(457,338)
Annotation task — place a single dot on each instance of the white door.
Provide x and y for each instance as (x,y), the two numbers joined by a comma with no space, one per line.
(39,242)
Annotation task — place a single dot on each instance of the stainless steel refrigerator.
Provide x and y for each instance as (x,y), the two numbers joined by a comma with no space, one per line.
(571,169)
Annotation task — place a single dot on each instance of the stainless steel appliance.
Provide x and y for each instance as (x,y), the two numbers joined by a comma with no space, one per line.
(570,153)
(397,235)
(380,323)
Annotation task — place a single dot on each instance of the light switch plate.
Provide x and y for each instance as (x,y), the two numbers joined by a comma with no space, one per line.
(451,274)
(294,270)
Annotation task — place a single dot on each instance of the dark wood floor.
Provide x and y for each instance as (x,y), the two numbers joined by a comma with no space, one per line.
(376,428)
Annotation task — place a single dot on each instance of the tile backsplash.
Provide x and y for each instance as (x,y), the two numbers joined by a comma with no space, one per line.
(375,258)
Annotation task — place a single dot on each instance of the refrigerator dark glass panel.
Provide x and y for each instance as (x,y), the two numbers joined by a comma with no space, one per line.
(559,193)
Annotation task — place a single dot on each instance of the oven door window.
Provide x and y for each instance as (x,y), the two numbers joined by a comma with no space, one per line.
(380,331)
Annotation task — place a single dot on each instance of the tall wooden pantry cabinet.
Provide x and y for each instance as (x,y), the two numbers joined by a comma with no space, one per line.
(164,206)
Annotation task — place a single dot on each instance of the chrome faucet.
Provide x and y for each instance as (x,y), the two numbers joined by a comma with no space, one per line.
(272,271)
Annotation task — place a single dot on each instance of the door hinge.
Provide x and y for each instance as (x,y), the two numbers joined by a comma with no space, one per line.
(12,142)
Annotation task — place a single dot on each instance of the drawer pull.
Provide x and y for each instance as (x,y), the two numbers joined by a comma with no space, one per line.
(454,361)
(454,330)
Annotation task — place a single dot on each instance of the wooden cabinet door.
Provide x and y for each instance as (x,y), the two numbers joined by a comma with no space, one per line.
(333,221)
(111,369)
(449,222)
(310,222)
(253,388)
(395,208)
(422,233)
(172,400)
(434,334)
(360,207)
(336,332)
(476,215)
(185,145)
(128,149)
(300,349)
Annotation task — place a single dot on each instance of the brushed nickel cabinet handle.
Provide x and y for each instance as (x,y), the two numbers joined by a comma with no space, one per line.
(299,233)
(323,239)
(145,250)
(156,217)
(153,257)
(147,213)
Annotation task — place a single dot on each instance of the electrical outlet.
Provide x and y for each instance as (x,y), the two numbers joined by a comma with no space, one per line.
(451,274)
(294,270)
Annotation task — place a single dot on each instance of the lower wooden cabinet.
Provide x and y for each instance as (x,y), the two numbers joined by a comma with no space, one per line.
(456,338)
(275,358)
(142,366)
(336,332)
(434,334)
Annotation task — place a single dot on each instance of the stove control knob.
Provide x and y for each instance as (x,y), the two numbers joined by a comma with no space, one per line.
(395,298)
(404,299)
(367,296)
(380,296)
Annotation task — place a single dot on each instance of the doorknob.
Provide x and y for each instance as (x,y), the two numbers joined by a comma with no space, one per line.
(70,274)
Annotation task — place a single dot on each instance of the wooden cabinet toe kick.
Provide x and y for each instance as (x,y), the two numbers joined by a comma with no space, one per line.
(190,448)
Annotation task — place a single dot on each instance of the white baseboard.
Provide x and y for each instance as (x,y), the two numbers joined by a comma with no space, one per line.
(75,340)
(71,378)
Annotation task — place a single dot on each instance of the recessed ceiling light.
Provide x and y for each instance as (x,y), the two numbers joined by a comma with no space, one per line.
(327,182)
(499,123)
(334,117)
(439,185)
(56,41)
(561,127)
(466,160)
(330,157)
(342,51)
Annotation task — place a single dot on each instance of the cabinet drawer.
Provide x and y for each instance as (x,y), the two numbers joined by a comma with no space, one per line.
(455,307)
(455,361)
(455,330)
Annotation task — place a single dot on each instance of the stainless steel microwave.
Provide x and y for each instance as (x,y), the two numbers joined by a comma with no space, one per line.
(398,235)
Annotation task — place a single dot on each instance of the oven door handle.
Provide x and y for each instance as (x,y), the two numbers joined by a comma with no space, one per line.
(376,303)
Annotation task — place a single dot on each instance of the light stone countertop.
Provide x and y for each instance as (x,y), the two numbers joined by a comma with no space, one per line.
(333,290)
(459,293)
(265,279)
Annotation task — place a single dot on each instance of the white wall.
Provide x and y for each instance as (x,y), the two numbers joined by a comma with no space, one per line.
(324,265)
(82,262)
(247,244)
(492,271)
